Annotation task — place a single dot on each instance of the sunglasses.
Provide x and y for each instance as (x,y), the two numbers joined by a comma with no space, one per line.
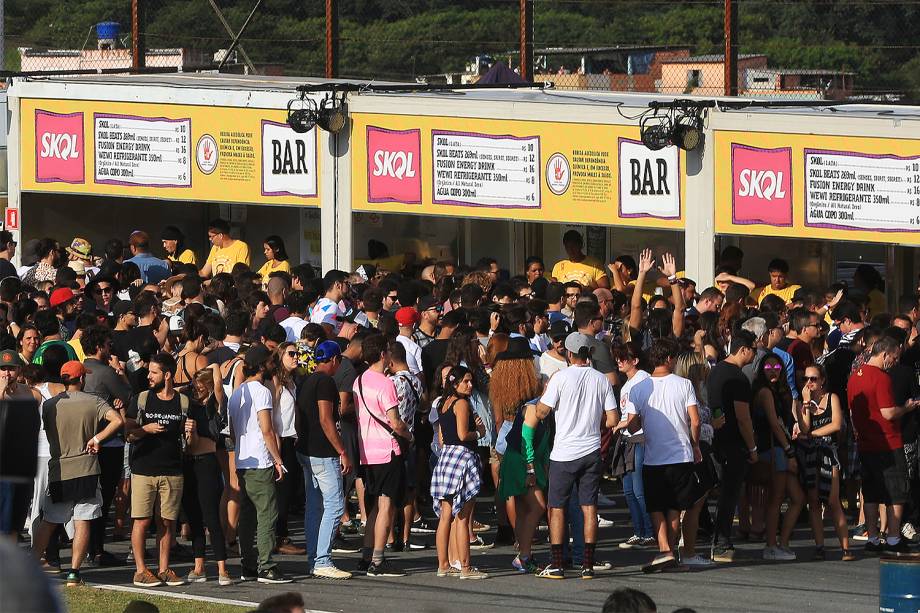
(812,379)
(572,295)
(102,290)
(773,367)
(291,354)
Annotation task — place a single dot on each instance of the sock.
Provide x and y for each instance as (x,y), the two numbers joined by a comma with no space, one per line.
(556,553)
(366,553)
(893,540)
(378,556)
(588,561)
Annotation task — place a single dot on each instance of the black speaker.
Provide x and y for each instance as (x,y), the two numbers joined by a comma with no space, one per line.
(19,424)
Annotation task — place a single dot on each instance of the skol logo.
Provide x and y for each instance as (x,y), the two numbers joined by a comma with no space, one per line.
(59,147)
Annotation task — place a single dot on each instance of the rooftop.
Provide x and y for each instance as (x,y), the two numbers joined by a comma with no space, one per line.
(711,58)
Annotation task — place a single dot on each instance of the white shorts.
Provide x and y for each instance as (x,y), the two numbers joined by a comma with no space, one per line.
(81,510)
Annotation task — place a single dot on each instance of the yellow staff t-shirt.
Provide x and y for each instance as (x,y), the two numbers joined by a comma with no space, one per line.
(274,266)
(587,272)
(223,259)
(785,293)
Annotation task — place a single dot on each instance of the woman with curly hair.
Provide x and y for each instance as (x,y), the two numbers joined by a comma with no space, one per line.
(523,444)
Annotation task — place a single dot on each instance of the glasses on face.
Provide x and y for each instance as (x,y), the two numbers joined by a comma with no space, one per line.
(291,354)
(773,367)
(393,297)
(575,295)
(812,379)
(8,368)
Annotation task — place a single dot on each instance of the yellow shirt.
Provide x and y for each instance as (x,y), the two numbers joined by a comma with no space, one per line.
(877,303)
(223,259)
(274,266)
(785,293)
(186,257)
(587,272)
(78,348)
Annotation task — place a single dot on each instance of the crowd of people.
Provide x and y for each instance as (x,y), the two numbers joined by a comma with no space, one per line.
(213,401)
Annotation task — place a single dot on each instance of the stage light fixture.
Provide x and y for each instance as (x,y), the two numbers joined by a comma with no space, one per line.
(301,115)
(688,133)
(331,117)
(655,131)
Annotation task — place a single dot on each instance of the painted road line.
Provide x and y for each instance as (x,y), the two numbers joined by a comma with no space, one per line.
(181,596)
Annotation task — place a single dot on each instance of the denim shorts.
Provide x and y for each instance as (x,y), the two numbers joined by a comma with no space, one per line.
(779,459)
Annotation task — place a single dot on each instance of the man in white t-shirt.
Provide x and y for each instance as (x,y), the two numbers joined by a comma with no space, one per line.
(294,323)
(665,407)
(258,466)
(406,319)
(583,401)
(329,308)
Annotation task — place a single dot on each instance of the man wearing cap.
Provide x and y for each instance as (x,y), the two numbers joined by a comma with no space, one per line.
(429,310)
(157,426)
(583,401)
(322,453)
(258,466)
(63,303)
(153,269)
(71,420)
(80,258)
(555,357)
(406,318)
(298,304)
(7,251)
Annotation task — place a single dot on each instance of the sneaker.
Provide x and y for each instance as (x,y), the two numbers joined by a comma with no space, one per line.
(73,579)
(777,554)
(422,526)
(587,573)
(874,548)
(288,548)
(820,555)
(340,545)
(450,571)
(901,547)
(697,561)
(146,579)
(602,565)
(456,564)
(170,578)
(633,542)
(604,523)
(479,543)
(224,580)
(473,573)
(551,572)
(849,555)
(331,572)
(662,561)
(51,568)
(363,565)
(249,574)
(384,569)
(480,527)
(723,553)
(352,527)
(909,532)
(194,577)
(525,567)
(410,546)
(273,575)
(860,533)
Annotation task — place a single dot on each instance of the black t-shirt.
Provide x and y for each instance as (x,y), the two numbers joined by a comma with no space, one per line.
(726,385)
(344,379)
(311,440)
(158,455)
(124,341)
(838,365)
(433,355)
(221,355)
(7,269)
(784,343)
(202,416)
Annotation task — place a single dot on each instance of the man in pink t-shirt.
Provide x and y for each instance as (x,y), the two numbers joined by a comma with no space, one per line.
(377,407)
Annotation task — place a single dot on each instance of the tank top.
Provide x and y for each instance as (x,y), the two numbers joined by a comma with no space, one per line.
(448,423)
(44,448)
(819,421)
(284,421)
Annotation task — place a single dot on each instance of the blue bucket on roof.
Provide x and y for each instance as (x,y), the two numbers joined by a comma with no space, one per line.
(899,584)
(108,30)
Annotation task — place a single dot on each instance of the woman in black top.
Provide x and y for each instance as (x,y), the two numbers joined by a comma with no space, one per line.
(456,479)
(773,398)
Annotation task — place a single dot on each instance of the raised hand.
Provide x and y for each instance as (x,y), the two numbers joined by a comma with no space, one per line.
(646,261)
(669,265)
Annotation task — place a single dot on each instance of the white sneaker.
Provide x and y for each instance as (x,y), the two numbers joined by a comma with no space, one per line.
(909,532)
(633,542)
(194,577)
(603,523)
(331,572)
(697,561)
(777,554)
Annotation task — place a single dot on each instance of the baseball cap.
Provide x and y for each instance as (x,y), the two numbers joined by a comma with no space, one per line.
(579,343)
(427,302)
(327,350)
(72,370)
(256,356)
(8,357)
(122,308)
(176,324)
(60,296)
(407,316)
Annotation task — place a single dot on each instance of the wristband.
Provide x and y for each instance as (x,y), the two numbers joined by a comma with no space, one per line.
(96,440)
(753,450)
(672,279)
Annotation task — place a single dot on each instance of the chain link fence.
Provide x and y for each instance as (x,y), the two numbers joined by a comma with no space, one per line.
(808,49)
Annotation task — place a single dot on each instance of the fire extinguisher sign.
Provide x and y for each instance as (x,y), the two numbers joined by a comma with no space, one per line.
(11,219)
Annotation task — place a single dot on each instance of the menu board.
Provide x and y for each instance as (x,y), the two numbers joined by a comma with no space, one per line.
(862,191)
(143,151)
(486,170)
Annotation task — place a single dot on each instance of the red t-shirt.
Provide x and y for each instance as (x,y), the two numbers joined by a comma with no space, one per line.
(869,391)
(801,354)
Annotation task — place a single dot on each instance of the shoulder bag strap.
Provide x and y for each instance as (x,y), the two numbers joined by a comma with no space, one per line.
(386,426)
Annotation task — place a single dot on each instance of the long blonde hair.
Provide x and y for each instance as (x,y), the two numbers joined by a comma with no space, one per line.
(693,366)
(512,383)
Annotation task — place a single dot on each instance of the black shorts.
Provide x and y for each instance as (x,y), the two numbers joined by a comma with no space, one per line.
(671,487)
(410,466)
(584,474)
(884,477)
(385,480)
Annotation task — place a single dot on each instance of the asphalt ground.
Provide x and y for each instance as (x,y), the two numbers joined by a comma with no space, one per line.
(748,584)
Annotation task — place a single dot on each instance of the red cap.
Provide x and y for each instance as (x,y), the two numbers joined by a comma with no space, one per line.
(60,296)
(407,316)
(73,370)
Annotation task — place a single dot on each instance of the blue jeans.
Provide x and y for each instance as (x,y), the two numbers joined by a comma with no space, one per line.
(574,526)
(322,478)
(635,496)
